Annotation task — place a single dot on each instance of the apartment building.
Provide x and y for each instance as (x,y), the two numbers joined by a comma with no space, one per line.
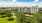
(32,9)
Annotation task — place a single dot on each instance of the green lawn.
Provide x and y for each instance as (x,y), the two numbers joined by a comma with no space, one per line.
(32,20)
(4,20)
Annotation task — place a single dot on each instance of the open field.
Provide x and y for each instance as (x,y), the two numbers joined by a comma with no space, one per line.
(12,16)
(35,19)
(4,20)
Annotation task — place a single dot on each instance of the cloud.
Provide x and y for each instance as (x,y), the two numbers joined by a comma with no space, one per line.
(13,0)
(13,3)
(36,0)
(39,4)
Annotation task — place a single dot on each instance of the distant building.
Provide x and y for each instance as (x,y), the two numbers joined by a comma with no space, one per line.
(28,9)
(33,9)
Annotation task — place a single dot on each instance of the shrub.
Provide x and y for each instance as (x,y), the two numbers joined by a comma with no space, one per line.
(10,19)
(3,16)
(28,22)
(40,21)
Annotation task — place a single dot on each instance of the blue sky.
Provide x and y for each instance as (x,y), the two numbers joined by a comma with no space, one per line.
(40,0)
(20,0)
(12,3)
(28,0)
(25,0)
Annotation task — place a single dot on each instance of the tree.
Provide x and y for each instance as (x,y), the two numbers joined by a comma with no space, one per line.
(30,13)
(40,20)
(20,16)
(38,17)
(3,13)
(9,15)
(25,12)
(40,11)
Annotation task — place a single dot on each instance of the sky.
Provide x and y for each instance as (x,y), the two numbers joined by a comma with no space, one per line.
(25,0)
(20,3)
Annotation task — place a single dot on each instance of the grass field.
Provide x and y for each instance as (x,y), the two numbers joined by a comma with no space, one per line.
(4,20)
(31,20)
